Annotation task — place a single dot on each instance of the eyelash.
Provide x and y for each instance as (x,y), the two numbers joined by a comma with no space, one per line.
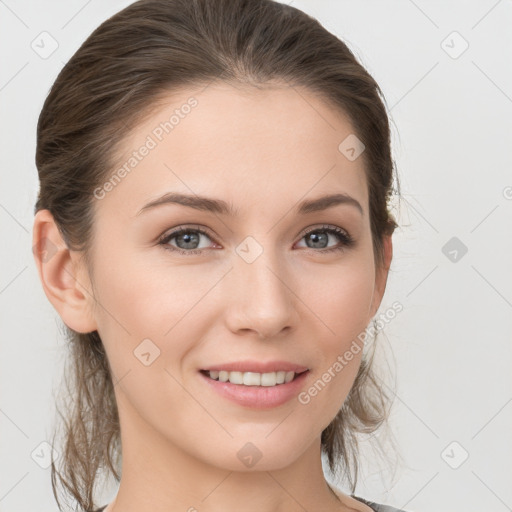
(346,240)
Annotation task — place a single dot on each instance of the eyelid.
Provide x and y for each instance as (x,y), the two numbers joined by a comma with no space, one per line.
(170,233)
(315,227)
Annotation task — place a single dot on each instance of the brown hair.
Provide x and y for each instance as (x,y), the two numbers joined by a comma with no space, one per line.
(116,77)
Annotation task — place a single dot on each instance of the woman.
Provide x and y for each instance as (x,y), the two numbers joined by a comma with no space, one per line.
(213,229)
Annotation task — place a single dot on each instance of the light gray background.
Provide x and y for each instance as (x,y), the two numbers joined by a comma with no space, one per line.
(449,348)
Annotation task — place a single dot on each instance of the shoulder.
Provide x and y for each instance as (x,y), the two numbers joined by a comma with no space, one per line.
(378,507)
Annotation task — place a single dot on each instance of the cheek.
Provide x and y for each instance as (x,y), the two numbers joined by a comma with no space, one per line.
(145,299)
(148,321)
(341,303)
(149,312)
(339,300)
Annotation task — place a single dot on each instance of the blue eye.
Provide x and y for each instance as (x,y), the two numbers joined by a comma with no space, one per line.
(188,235)
(320,235)
(187,239)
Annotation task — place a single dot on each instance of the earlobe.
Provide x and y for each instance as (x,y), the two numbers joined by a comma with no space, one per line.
(62,275)
(381,275)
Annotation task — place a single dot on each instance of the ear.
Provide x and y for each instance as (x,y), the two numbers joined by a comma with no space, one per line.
(381,275)
(63,275)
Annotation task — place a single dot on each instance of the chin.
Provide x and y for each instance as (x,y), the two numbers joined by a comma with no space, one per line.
(253,453)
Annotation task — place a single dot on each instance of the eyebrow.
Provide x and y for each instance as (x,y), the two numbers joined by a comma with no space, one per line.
(223,208)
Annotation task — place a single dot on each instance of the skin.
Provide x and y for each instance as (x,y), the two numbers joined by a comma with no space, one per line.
(180,439)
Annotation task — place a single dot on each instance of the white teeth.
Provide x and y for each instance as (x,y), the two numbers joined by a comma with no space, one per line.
(253,378)
(236,377)
(249,379)
(268,379)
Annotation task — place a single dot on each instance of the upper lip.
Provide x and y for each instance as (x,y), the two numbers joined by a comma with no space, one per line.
(257,367)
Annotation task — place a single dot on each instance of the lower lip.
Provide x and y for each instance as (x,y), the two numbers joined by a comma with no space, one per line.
(258,397)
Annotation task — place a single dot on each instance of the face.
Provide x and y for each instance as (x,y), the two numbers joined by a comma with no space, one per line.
(262,286)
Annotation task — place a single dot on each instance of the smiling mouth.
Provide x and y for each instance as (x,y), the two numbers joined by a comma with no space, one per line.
(269,379)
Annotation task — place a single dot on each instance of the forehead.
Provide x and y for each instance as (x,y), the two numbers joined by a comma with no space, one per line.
(243,144)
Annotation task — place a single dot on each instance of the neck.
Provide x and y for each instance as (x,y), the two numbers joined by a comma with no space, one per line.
(158,475)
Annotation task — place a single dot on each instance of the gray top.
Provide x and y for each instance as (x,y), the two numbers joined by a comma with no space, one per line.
(377,507)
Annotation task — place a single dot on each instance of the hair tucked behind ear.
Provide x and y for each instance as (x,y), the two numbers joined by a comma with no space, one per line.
(116,77)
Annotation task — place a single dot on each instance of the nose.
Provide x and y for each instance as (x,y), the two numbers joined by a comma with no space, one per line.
(261,298)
